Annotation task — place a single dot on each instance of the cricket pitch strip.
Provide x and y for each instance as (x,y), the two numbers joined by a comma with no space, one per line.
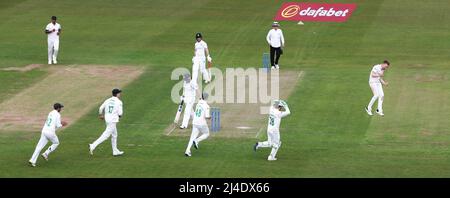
(79,87)
(242,120)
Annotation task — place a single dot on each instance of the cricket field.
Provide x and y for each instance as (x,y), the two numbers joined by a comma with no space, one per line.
(136,44)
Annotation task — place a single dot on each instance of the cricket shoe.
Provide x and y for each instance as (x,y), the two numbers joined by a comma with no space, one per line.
(277,67)
(49,62)
(45,156)
(32,164)
(119,153)
(369,111)
(270,158)
(54,60)
(183,127)
(187,154)
(273,68)
(91,151)
(195,144)
(255,147)
(380,113)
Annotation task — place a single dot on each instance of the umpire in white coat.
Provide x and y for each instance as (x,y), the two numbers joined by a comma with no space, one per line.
(275,39)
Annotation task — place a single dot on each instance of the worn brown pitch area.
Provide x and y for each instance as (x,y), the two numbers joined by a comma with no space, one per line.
(244,120)
(79,87)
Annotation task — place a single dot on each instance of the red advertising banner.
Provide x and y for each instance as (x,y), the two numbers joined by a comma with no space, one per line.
(325,12)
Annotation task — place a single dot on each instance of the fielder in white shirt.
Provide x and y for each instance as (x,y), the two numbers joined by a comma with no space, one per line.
(199,124)
(275,39)
(111,111)
(278,110)
(199,59)
(52,123)
(53,30)
(189,92)
(376,83)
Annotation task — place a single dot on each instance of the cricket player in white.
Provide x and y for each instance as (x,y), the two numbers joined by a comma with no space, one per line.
(199,124)
(53,30)
(52,123)
(199,59)
(189,92)
(278,110)
(376,83)
(111,110)
(275,39)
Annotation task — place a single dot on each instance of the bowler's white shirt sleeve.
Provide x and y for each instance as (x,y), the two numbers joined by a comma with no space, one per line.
(120,108)
(47,27)
(282,38)
(285,113)
(58,121)
(102,107)
(207,112)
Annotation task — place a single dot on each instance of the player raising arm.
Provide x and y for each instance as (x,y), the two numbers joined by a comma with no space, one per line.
(278,110)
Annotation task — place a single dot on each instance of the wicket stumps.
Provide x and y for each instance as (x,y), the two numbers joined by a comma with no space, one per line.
(266,62)
(215,119)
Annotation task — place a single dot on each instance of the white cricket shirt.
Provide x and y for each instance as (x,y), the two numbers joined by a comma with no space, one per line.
(200,48)
(275,115)
(378,70)
(201,113)
(53,122)
(112,108)
(275,38)
(189,91)
(53,35)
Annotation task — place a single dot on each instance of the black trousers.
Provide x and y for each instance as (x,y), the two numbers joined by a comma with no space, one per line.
(275,53)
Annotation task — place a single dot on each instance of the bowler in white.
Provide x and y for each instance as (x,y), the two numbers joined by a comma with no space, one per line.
(53,30)
(376,83)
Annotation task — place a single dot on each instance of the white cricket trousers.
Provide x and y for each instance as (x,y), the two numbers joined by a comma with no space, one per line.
(45,137)
(53,48)
(377,89)
(199,63)
(273,140)
(111,130)
(196,130)
(188,109)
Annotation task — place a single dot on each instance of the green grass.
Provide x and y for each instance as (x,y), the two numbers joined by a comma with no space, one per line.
(328,133)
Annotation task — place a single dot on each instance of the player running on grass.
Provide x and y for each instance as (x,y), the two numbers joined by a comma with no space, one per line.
(111,111)
(199,124)
(278,110)
(52,123)
(375,82)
